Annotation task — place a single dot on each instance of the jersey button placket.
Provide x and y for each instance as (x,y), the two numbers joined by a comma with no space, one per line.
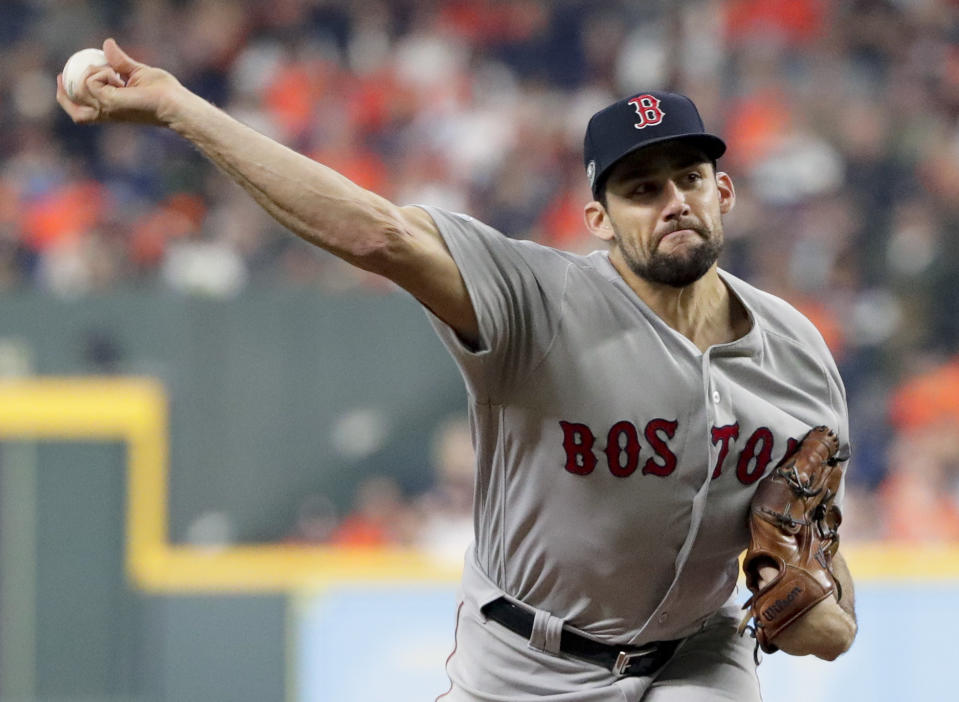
(712,392)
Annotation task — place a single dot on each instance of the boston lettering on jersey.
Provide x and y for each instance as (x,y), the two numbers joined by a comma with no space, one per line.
(623,449)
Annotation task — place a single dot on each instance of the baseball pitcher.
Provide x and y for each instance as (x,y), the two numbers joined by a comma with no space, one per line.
(640,416)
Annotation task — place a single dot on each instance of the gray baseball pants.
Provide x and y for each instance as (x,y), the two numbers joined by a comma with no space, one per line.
(492,664)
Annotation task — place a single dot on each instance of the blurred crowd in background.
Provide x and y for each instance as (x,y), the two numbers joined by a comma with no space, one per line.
(842,120)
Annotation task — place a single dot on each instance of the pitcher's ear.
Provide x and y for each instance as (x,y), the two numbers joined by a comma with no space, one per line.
(727,192)
(597,220)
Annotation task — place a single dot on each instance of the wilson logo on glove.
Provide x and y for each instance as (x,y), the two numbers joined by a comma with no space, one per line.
(779,606)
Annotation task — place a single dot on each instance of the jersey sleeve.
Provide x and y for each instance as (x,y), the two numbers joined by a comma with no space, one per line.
(841,408)
(837,398)
(837,394)
(516,288)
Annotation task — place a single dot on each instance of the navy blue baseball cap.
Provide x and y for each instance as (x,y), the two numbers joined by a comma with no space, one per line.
(639,121)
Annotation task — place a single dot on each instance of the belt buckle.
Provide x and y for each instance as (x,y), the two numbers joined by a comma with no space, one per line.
(624,659)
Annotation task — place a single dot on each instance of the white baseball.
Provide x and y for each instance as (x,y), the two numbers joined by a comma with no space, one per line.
(76,67)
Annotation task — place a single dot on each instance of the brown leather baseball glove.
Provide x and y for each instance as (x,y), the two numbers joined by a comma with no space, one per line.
(792,524)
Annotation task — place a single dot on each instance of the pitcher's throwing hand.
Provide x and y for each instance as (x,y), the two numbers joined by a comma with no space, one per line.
(124,90)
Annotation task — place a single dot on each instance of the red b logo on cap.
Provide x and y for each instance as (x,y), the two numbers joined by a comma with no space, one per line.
(647,107)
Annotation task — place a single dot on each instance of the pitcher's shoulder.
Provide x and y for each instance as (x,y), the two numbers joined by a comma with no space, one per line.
(776,315)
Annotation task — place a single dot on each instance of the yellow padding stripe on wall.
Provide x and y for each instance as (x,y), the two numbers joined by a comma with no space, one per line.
(902,561)
(276,568)
(131,410)
(134,410)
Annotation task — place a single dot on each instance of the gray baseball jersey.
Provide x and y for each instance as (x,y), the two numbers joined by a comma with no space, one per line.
(615,460)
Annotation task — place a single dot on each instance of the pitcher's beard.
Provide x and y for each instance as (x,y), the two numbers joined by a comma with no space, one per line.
(678,269)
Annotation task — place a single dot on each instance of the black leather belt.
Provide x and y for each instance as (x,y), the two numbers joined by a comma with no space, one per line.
(620,660)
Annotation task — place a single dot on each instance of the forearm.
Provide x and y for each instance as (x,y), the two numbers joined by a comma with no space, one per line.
(828,629)
(313,201)
(847,596)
